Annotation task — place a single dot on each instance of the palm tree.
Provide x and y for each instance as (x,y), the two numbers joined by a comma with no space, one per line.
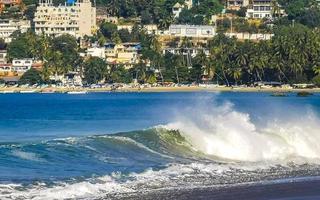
(113,8)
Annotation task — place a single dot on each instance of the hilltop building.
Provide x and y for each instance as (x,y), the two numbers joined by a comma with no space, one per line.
(77,18)
(196,31)
(177,8)
(8,26)
(8,3)
(237,4)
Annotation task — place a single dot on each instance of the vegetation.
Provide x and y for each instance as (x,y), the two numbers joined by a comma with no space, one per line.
(31,77)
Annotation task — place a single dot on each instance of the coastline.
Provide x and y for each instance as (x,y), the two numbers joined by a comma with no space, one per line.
(156,89)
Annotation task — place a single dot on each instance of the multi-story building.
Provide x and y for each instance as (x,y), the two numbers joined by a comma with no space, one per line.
(126,54)
(8,26)
(17,67)
(77,18)
(8,3)
(237,4)
(260,9)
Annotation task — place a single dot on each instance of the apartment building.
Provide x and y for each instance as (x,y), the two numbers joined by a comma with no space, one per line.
(8,26)
(77,18)
(260,9)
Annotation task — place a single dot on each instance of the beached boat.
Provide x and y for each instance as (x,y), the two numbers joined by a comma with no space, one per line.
(7,91)
(27,91)
(77,92)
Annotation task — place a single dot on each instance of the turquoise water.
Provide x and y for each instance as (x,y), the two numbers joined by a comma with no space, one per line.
(53,144)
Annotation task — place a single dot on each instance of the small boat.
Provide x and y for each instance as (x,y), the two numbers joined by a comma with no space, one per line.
(27,91)
(77,92)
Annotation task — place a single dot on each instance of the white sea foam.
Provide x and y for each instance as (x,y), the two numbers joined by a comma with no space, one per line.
(229,134)
(27,155)
(173,176)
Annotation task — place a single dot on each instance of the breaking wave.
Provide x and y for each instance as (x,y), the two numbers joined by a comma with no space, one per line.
(215,147)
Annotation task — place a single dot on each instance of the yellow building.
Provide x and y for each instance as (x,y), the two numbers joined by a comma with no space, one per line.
(126,54)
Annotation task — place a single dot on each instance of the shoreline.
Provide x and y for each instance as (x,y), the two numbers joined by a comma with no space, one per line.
(48,90)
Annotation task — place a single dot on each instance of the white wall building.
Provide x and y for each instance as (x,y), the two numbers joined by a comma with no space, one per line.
(74,18)
(22,65)
(192,31)
(259,9)
(8,26)
(96,52)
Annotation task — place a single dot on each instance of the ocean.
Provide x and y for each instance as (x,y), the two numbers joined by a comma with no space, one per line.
(176,145)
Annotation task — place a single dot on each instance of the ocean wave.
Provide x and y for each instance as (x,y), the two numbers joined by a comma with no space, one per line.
(174,176)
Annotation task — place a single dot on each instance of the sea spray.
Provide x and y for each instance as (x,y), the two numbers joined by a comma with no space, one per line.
(224,132)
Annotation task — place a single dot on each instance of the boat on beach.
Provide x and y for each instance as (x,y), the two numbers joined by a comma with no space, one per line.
(7,91)
(77,92)
(27,91)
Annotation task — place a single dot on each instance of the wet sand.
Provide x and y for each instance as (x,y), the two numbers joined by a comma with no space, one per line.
(309,190)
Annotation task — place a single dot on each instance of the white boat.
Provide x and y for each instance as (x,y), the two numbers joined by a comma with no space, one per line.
(77,92)
(27,91)
(7,91)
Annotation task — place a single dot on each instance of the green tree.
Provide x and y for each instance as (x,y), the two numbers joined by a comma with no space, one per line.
(31,77)
(95,70)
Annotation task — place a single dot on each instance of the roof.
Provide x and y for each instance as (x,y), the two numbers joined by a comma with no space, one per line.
(178,5)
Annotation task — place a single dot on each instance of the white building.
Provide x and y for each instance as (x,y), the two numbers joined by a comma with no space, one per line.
(192,31)
(259,9)
(8,26)
(193,52)
(177,8)
(74,18)
(96,52)
(21,65)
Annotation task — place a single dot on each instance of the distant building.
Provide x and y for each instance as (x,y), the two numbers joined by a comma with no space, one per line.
(96,52)
(77,18)
(19,66)
(8,3)
(237,4)
(192,31)
(8,26)
(259,9)
(3,56)
(177,8)
(22,65)
(126,54)
(192,52)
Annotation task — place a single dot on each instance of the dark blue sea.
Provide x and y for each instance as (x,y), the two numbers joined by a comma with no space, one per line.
(165,145)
